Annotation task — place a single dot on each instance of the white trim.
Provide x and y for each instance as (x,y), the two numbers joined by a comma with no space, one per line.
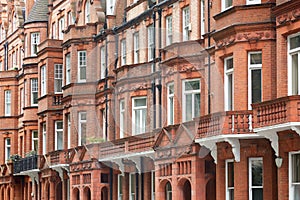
(58,78)
(136,48)
(142,109)
(122,117)
(252,67)
(44,135)
(186,23)
(169,97)
(226,178)
(169,30)
(43,80)
(120,191)
(202,18)
(7,148)
(57,130)
(193,93)
(250,187)
(150,32)
(290,169)
(122,155)
(69,130)
(123,52)
(61,27)
(278,127)
(251,2)
(35,40)
(289,61)
(68,68)
(152,184)
(33,139)
(80,122)
(82,65)
(131,193)
(224,7)
(226,84)
(34,88)
(102,62)
(7,105)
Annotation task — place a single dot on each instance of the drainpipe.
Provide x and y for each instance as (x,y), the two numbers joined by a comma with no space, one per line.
(142,179)
(106,95)
(6,56)
(154,69)
(137,186)
(159,81)
(208,30)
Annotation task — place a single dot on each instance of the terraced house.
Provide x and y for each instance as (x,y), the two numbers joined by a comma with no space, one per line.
(145,99)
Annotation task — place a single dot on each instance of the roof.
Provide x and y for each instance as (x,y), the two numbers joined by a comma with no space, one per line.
(39,12)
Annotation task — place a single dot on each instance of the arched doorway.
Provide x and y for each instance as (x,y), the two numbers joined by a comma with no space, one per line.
(76,194)
(187,190)
(104,193)
(87,193)
(58,191)
(168,190)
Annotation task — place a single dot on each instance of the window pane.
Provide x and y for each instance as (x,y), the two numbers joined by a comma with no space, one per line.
(256,85)
(229,63)
(230,95)
(140,102)
(82,73)
(296,168)
(297,192)
(192,85)
(295,74)
(59,140)
(197,105)
(295,42)
(257,172)
(188,107)
(171,89)
(231,194)
(257,194)
(255,58)
(230,173)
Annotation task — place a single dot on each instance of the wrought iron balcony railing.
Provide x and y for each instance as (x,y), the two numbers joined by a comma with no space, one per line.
(25,164)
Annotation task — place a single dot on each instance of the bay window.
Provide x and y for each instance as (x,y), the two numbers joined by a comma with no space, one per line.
(139,112)
(191,99)
(228,83)
(254,78)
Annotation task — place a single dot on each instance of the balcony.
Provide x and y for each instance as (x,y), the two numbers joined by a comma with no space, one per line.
(25,164)
(230,122)
(60,157)
(275,112)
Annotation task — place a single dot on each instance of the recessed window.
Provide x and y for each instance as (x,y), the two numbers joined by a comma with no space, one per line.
(68,69)
(35,40)
(226,4)
(7,149)
(102,62)
(81,128)
(139,112)
(132,186)
(169,31)
(151,43)
(43,81)
(22,100)
(186,23)
(7,107)
(170,112)
(228,83)
(70,18)
(294,176)
(136,46)
(81,66)
(58,135)
(202,18)
(120,187)
(34,91)
(61,27)
(254,78)
(293,64)
(168,191)
(35,140)
(191,99)
(87,12)
(229,179)
(58,78)
(122,118)
(44,134)
(69,129)
(123,52)
(255,178)
(152,185)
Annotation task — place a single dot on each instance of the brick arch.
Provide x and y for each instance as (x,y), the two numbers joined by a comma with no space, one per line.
(185,188)
(161,189)
(104,193)
(58,191)
(87,195)
(76,194)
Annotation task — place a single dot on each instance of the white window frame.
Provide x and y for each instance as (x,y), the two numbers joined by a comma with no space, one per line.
(7,101)
(43,80)
(22,99)
(295,51)
(141,127)
(70,18)
(186,23)
(57,132)
(170,107)
(54,32)
(68,68)
(169,30)
(228,197)
(87,13)
(152,185)
(131,193)
(251,2)
(58,78)
(61,27)
(136,48)
(34,139)
(151,52)
(7,149)
(69,129)
(123,52)
(80,123)
(252,67)
(104,133)
(122,118)
(103,62)
(226,85)
(44,134)
(193,92)
(250,175)
(82,65)
(202,18)
(168,193)
(290,169)
(224,6)
(34,91)
(35,40)
(120,184)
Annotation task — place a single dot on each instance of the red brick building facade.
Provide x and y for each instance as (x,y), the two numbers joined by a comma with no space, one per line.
(144,100)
